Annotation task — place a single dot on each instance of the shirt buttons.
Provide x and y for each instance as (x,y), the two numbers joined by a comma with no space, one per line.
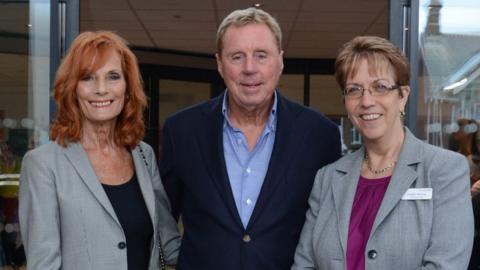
(372,254)
(122,245)
(239,141)
(246,238)
(249,201)
(248,170)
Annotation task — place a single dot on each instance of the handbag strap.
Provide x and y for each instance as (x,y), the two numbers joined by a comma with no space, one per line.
(162,257)
(143,155)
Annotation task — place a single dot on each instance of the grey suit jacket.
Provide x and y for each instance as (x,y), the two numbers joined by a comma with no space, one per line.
(406,234)
(67,221)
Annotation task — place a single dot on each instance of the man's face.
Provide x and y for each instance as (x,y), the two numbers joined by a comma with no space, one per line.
(250,64)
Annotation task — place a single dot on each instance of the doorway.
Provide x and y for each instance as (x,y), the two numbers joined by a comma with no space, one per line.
(171,89)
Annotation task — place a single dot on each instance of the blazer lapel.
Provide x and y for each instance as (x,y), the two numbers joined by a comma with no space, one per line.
(344,189)
(278,162)
(145,182)
(79,159)
(402,178)
(210,140)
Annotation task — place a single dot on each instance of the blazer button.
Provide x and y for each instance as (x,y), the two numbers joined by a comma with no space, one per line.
(372,254)
(122,245)
(246,238)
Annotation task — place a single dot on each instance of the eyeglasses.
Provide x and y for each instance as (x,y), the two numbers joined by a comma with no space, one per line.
(375,89)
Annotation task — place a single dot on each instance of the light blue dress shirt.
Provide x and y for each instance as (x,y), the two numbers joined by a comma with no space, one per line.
(247,170)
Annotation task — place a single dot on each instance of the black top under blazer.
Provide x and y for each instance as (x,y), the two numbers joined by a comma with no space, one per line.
(194,174)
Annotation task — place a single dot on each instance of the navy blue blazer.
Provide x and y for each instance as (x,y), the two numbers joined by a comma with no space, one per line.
(194,175)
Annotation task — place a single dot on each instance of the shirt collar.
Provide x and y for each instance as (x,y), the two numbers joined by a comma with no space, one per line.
(271,122)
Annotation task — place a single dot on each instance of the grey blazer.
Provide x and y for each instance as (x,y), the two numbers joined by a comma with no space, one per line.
(67,221)
(406,234)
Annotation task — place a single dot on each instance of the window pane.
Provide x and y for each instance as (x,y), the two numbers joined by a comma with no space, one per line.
(449,83)
(325,95)
(176,95)
(24,107)
(291,86)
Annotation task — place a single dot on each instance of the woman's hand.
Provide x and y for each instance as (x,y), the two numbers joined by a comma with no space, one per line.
(475,189)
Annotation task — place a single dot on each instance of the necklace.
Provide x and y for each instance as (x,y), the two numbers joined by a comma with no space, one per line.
(380,171)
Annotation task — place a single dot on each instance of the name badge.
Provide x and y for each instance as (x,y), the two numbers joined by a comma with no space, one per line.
(418,194)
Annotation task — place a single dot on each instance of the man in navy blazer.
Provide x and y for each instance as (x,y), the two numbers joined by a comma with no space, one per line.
(239,168)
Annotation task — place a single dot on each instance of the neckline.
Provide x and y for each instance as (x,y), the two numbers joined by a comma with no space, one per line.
(130,181)
(379,180)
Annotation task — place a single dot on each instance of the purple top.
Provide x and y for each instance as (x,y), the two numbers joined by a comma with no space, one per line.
(365,206)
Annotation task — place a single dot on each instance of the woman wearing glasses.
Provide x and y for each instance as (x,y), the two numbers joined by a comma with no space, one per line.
(397,202)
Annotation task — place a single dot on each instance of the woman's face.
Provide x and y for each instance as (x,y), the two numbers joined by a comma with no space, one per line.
(376,117)
(101,94)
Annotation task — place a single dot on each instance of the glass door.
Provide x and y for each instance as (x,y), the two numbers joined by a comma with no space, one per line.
(442,40)
(33,34)
(24,107)
(171,89)
(449,83)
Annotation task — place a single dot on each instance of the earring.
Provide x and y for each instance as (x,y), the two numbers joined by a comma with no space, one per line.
(402,114)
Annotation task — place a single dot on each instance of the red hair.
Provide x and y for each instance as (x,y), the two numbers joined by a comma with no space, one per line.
(88,52)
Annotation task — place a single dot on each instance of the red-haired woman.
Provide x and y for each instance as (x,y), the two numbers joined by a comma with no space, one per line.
(92,198)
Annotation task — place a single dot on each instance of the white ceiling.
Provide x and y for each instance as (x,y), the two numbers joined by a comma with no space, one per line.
(311,28)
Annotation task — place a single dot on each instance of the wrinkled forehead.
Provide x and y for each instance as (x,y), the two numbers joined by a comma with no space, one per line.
(378,66)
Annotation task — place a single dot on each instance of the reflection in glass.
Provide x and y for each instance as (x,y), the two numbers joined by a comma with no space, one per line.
(450,67)
(24,108)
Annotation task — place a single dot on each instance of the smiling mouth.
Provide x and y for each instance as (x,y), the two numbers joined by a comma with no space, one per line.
(100,104)
(370,116)
(251,84)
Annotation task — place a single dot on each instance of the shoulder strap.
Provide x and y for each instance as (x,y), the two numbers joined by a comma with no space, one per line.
(162,258)
(143,155)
